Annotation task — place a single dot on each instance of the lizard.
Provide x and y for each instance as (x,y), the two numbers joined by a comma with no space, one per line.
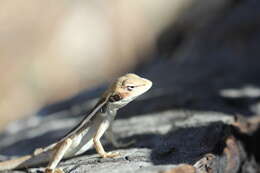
(90,129)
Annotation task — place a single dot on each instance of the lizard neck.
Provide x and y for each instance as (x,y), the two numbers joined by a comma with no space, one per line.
(111,108)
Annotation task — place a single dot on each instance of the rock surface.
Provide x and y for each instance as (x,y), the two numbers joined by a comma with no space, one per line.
(188,117)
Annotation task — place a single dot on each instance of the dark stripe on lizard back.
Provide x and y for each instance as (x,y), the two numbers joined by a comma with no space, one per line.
(87,119)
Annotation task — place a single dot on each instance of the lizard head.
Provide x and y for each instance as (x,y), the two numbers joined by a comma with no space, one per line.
(127,88)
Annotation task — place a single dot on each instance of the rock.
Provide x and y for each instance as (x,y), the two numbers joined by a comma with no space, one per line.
(185,168)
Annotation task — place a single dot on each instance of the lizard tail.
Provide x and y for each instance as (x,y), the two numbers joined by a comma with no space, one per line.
(14,163)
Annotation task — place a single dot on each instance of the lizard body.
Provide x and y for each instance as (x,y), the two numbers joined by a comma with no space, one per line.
(89,131)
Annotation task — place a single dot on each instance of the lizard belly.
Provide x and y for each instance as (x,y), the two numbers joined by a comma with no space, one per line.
(81,143)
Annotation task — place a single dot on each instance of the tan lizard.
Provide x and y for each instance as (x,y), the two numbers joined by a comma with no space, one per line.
(89,131)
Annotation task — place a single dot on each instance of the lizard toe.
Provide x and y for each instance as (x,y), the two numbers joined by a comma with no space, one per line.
(111,155)
(56,170)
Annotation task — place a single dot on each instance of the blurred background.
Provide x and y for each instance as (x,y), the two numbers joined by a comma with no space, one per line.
(52,50)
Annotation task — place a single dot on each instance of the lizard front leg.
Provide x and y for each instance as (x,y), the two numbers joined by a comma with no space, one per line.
(58,153)
(110,135)
(99,148)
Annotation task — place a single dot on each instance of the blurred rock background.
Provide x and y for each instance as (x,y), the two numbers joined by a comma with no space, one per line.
(51,50)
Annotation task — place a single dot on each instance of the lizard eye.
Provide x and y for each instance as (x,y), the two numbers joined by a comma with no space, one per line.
(130,87)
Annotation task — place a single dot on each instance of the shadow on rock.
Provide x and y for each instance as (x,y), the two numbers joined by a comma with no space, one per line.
(184,145)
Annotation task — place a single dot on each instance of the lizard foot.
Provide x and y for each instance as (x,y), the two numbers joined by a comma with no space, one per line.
(111,154)
(56,170)
(38,151)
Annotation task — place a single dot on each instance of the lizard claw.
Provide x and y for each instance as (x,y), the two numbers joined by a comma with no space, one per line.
(111,155)
(56,170)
